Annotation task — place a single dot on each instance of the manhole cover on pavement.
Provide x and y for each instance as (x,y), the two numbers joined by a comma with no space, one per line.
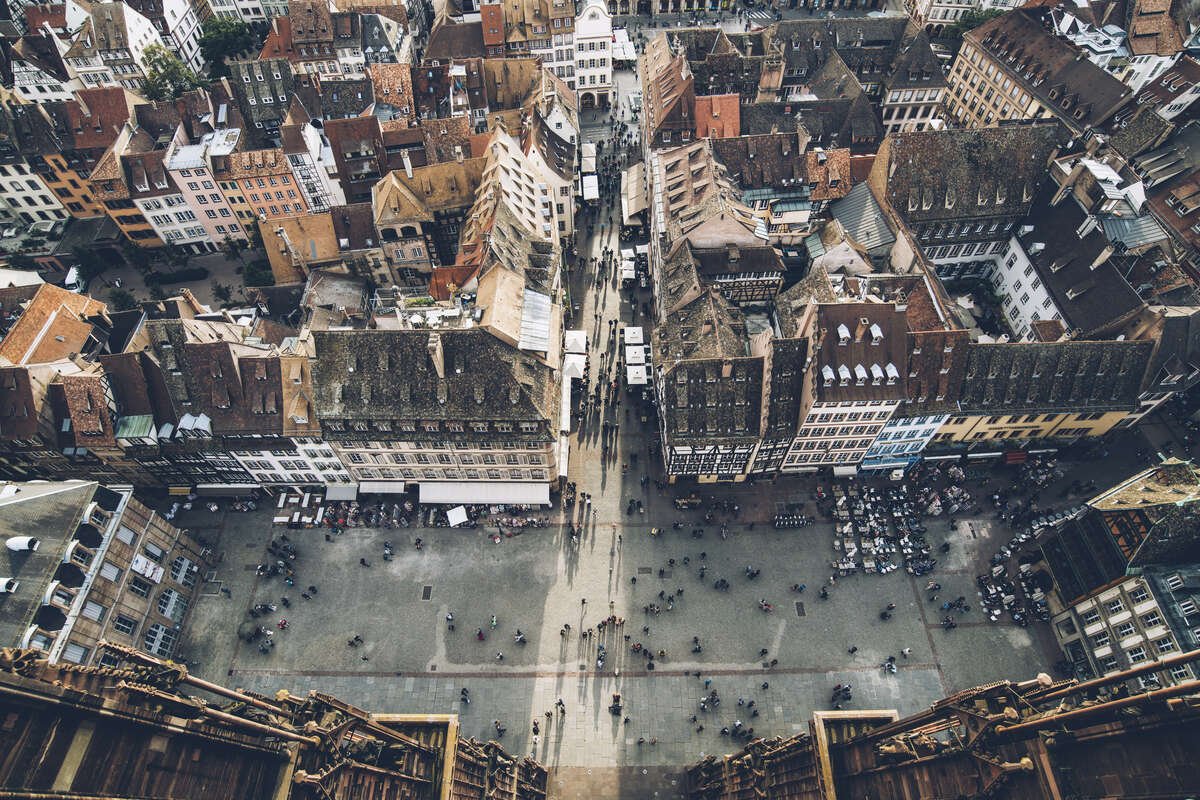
(799,609)
(426,592)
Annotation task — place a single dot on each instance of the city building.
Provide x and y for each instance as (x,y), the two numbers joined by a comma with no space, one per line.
(39,72)
(400,399)
(27,197)
(593,70)
(258,185)
(110,48)
(1125,571)
(89,564)
(85,126)
(962,193)
(1016,67)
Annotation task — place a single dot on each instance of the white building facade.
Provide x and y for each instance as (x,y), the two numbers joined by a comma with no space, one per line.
(900,443)
(1024,296)
(838,435)
(593,56)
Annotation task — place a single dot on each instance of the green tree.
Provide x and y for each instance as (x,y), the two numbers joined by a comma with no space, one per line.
(234,247)
(121,299)
(970,21)
(221,291)
(135,256)
(258,273)
(224,38)
(166,76)
(177,256)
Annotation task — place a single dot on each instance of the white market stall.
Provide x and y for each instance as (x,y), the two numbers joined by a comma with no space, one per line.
(575,341)
(591,187)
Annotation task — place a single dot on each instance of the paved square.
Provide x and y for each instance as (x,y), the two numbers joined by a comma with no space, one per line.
(410,661)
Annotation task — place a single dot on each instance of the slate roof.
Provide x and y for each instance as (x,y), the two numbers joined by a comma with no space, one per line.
(1080,93)
(1053,377)
(41,52)
(209,368)
(1153,30)
(1171,174)
(1092,297)
(768,160)
(862,218)
(960,174)
(860,352)
(389,374)
(841,122)
(451,40)
(712,384)
(262,84)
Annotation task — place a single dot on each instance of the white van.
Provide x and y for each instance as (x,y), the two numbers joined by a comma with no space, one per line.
(74,282)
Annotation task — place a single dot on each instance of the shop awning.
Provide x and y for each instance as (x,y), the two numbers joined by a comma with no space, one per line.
(381,487)
(591,187)
(225,489)
(587,165)
(633,193)
(844,471)
(564,454)
(490,493)
(636,375)
(341,491)
(635,354)
(564,407)
(628,273)
(575,341)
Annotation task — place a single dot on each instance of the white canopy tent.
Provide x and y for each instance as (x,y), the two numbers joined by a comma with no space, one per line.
(591,187)
(457,516)
(574,365)
(633,335)
(635,374)
(635,354)
(576,341)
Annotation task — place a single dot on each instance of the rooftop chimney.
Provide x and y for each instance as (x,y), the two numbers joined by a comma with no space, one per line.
(436,354)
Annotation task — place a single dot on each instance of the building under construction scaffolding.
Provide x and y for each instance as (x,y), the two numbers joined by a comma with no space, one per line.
(146,729)
(1037,739)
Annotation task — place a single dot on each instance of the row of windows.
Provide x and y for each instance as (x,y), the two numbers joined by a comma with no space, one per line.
(453,474)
